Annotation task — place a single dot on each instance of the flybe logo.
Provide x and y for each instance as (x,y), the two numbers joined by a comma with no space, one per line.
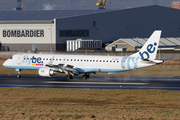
(35,61)
(150,50)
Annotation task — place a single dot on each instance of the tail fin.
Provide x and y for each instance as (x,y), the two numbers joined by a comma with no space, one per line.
(149,50)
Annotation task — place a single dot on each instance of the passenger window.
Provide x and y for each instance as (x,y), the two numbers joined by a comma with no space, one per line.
(46,58)
(107,61)
(103,60)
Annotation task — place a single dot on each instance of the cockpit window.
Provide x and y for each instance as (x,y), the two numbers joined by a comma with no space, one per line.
(10,57)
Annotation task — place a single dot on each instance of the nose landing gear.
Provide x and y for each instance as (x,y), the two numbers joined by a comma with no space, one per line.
(19,72)
(18,76)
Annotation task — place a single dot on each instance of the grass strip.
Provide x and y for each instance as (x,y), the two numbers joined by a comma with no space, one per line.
(28,103)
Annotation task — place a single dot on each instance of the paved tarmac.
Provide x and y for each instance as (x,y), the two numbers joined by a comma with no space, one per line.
(95,82)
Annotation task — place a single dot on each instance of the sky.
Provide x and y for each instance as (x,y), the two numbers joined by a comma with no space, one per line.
(7,5)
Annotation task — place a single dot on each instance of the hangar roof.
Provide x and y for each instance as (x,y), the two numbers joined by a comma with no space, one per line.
(44,14)
(163,41)
(139,42)
(52,14)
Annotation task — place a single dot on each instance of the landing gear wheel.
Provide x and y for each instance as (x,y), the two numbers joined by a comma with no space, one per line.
(85,77)
(18,76)
(69,77)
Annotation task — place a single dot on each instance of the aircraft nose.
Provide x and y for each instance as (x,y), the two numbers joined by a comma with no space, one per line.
(5,63)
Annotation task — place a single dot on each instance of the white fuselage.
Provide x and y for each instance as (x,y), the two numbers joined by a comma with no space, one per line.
(82,63)
(49,64)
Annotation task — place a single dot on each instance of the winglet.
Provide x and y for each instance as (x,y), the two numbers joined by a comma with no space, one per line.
(149,50)
(50,62)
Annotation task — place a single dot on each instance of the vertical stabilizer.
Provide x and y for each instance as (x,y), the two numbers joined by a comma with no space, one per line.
(149,50)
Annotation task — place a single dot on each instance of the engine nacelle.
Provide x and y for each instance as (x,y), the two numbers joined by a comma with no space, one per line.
(46,72)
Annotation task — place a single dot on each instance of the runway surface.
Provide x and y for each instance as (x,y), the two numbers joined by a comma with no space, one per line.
(95,82)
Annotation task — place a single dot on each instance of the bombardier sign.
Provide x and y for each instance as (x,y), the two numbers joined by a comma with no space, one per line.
(74,33)
(23,33)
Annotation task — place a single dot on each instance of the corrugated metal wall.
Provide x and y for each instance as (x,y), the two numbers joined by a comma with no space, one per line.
(129,23)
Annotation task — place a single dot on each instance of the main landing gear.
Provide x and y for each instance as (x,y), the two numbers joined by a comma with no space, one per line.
(69,77)
(86,76)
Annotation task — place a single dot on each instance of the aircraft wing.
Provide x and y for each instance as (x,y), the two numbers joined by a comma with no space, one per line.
(68,69)
(62,68)
(52,66)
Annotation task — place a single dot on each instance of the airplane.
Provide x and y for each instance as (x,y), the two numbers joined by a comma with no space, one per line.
(50,64)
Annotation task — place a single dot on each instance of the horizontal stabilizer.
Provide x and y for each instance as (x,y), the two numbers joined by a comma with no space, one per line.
(155,61)
(169,58)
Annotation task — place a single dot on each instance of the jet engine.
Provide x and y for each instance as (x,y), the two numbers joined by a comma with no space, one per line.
(46,72)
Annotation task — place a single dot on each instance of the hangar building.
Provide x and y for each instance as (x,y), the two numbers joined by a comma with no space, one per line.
(49,30)
(134,44)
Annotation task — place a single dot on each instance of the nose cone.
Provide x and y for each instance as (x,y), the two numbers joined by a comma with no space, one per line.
(5,64)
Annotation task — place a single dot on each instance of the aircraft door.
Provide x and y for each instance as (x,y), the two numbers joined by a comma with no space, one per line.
(20,59)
